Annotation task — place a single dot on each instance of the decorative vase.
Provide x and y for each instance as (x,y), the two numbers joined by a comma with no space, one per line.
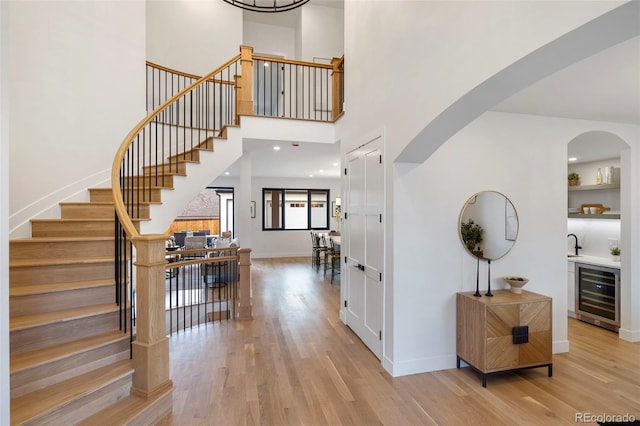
(516,284)
(573,182)
(615,258)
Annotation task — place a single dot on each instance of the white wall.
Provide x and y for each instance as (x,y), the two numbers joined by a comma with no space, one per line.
(303,34)
(630,244)
(191,35)
(593,236)
(322,33)
(4,213)
(266,244)
(454,48)
(270,39)
(77,88)
(524,157)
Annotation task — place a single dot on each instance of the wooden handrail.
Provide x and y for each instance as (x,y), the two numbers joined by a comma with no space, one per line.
(121,209)
(150,350)
(291,62)
(245,106)
(172,71)
(185,74)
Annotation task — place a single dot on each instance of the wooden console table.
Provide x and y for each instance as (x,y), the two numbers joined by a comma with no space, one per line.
(505,332)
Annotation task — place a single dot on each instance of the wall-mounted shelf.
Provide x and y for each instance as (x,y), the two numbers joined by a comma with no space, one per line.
(604,192)
(593,216)
(594,187)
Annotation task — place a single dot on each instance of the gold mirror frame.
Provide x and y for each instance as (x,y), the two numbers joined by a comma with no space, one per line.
(496,215)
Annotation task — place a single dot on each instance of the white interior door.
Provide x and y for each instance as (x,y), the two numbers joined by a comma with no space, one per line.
(364,248)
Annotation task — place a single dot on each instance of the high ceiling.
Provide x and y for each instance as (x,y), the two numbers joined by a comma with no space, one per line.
(603,87)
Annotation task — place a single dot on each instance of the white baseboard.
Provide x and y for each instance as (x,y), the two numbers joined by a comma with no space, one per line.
(417,366)
(629,335)
(560,346)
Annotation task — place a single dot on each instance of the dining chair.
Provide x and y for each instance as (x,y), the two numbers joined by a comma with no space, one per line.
(317,250)
(179,238)
(332,259)
(195,242)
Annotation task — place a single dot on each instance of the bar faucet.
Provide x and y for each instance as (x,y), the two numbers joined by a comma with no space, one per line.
(577,247)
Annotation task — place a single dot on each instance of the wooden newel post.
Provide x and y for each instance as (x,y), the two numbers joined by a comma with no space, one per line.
(336,87)
(151,347)
(244,286)
(244,84)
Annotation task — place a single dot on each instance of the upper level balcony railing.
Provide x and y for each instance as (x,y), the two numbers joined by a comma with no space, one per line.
(281,88)
(184,113)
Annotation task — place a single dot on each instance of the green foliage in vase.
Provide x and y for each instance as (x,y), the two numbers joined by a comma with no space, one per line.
(615,251)
(573,176)
(471,234)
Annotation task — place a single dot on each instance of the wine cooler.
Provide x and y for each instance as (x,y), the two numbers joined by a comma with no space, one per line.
(598,295)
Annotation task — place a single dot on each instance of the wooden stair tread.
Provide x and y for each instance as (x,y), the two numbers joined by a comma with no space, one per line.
(203,148)
(28,321)
(146,188)
(89,219)
(47,400)
(83,203)
(57,239)
(124,411)
(29,359)
(153,173)
(29,290)
(97,203)
(58,261)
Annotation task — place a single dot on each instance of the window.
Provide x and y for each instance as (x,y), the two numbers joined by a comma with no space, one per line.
(295,209)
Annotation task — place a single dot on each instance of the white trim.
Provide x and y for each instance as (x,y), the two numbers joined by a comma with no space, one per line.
(632,336)
(560,346)
(49,205)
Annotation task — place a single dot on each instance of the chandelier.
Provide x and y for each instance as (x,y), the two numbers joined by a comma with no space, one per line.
(270,6)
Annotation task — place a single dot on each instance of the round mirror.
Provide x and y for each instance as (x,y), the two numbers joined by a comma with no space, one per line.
(488,225)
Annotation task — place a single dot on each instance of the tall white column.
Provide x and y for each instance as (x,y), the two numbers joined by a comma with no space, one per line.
(630,246)
(242,203)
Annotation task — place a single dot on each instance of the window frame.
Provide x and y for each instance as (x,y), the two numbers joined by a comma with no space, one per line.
(308,202)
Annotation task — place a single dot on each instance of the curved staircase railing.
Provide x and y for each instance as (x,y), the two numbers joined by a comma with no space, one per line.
(158,148)
(174,128)
(187,113)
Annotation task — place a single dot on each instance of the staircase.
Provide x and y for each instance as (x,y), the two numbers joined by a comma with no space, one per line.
(70,362)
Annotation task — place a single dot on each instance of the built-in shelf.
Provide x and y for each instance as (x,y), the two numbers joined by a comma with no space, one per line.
(594,187)
(600,187)
(593,216)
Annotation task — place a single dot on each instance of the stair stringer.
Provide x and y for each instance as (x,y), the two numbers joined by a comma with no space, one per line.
(185,188)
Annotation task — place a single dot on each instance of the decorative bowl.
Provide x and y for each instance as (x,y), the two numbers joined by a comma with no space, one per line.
(516,283)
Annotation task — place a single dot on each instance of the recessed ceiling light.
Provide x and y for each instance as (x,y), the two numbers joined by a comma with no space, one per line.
(321,171)
(573,159)
(276,148)
(310,175)
(335,164)
(226,173)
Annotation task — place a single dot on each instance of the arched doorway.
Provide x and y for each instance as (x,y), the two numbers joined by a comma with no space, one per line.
(596,214)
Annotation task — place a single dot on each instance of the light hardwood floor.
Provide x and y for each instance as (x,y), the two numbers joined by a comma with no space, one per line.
(297,364)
